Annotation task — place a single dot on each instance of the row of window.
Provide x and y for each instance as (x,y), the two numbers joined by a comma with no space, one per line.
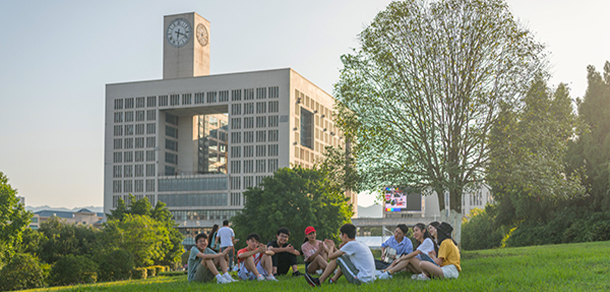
(119,171)
(192,184)
(127,117)
(137,129)
(134,156)
(261,122)
(196,215)
(138,102)
(254,166)
(261,136)
(249,151)
(135,186)
(249,182)
(191,200)
(125,198)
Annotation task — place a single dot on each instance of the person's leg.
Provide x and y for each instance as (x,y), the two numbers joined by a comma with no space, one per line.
(330,268)
(249,264)
(337,275)
(318,263)
(431,270)
(203,274)
(274,262)
(267,263)
(222,263)
(348,269)
(281,263)
(413,266)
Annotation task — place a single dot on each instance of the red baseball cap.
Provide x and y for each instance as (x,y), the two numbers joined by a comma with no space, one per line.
(309,229)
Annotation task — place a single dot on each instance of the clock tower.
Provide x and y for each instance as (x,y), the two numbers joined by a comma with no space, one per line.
(186,46)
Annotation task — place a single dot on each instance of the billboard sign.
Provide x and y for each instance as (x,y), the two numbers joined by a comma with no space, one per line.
(401,199)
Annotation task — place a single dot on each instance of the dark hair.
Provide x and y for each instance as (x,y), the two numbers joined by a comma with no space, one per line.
(403,228)
(214,229)
(283,230)
(225,223)
(423,228)
(443,234)
(200,235)
(253,236)
(349,229)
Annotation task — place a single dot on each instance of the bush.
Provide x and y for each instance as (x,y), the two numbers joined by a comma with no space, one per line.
(73,269)
(151,271)
(23,271)
(173,273)
(116,265)
(479,232)
(139,273)
(158,269)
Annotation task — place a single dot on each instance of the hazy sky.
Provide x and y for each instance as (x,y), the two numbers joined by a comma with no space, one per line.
(57,56)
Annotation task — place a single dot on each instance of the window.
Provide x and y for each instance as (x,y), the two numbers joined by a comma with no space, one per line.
(261,122)
(306,128)
(249,123)
(163,100)
(129,102)
(236,137)
(150,170)
(116,186)
(174,99)
(151,128)
(128,130)
(236,94)
(273,135)
(235,152)
(118,104)
(236,109)
(236,166)
(139,116)
(128,170)
(151,115)
(128,186)
(169,170)
(128,116)
(273,165)
(223,96)
(151,101)
(249,94)
(199,96)
(171,145)
(169,118)
(249,137)
(140,142)
(261,107)
(139,156)
(248,151)
(261,150)
(117,171)
(140,129)
(273,121)
(139,186)
(118,117)
(139,170)
(261,136)
(261,93)
(118,143)
(118,130)
(274,106)
(273,150)
(150,187)
(186,98)
(261,166)
(248,181)
(151,142)
(248,108)
(248,166)
(171,158)
(235,199)
(235,123)
(211,97)
(171,132)
(128,143)
(140,102)
(128,156)
(236,183)
(274,92)
(150,155)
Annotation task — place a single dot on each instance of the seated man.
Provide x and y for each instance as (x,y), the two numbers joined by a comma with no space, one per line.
(354,259)
(285,256)
(203,262)
(255,260)
(400,244)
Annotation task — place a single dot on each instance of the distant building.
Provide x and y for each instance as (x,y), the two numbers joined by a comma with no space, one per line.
(82,216)
(197,141)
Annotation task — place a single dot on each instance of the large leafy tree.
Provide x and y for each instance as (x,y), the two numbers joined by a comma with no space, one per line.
(293,198)
(59,238)
(527,169)
(424,89)
(13,219)
(591,150)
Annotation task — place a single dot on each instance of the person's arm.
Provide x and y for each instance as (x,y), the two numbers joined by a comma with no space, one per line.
(336,254)
(411,255)
(216,255)
(382,253)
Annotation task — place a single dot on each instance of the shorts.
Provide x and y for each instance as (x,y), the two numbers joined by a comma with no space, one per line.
(244,274)
(203,274)
(426,258)
(450,272)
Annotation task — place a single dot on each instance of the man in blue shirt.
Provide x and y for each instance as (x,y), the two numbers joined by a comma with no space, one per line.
(394,247)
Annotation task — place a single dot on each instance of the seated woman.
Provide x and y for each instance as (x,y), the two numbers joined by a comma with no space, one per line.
(398,243)
(315,252)
(411,260)
(447,263)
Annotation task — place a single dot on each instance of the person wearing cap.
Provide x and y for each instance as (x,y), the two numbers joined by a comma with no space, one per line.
(315,251)
(285,255)
(448,257)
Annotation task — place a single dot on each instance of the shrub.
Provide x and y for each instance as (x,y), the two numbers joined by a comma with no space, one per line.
(173,273)
(151,271)
(23,271)
(479,232)
(116,265)
(72,269)
(167,269)
(139,273)
(158,269)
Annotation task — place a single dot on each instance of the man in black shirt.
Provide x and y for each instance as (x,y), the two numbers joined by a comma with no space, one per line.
(285,254)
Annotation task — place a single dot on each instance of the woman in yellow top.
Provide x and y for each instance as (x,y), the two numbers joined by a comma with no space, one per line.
(448,257)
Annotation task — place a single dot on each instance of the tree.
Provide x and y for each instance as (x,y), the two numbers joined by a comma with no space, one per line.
(424,89)
(61,239)
(23,271)
(13,219)
(293,198)
(591,150)
(527,170)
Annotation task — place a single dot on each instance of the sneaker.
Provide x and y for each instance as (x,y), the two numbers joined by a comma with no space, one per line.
(221,280)
(331,281)
(385,276)
(414,276)
(260,278)
(271,278)
(319,272)
(313,282)
(297,274)
(229,278)
(422,277)
(378,273)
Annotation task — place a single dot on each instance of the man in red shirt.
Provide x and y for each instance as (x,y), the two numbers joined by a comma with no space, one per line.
(255,260)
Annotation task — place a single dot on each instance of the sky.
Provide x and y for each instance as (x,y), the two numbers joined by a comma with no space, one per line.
(57,56)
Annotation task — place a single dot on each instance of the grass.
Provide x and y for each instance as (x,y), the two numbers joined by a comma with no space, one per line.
(566,267)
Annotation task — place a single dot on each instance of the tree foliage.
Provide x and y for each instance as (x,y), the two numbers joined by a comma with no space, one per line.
(60,239)
(293,198)
(425,88)
(71,270)
(13,219)
(527,170)
(23,271)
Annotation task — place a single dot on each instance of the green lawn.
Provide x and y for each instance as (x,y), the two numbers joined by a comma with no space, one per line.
(568,267)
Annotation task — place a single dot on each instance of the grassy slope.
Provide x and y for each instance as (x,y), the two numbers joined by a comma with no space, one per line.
(568,267)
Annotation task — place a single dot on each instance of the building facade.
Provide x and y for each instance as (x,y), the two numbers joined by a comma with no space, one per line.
(196,141)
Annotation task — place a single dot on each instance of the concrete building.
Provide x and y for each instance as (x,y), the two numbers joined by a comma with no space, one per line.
(196,141)
(82,216)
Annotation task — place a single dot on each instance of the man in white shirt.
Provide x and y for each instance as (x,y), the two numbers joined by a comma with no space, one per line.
(354,259)
(227,238)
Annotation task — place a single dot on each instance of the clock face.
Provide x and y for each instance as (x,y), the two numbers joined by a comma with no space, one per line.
(202,35)
(179,32)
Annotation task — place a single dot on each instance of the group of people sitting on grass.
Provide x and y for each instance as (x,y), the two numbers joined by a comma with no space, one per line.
(436,256)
